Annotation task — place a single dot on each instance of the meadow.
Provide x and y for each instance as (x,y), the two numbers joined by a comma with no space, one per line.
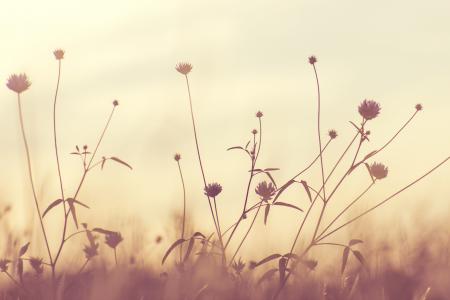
(198,264)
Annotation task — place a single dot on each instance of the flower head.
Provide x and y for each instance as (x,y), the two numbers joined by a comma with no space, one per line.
(59,54)
(183,67)
(254,131)
(312,59)
(419,106)
(213,189)
(259,114)
(369,109)
(265,190)
(238,266)
(113,239)
(4,265)
(332,134)
(177,156)
(91,250)
(36,264)
(378,170)
(18,83)
(115,102)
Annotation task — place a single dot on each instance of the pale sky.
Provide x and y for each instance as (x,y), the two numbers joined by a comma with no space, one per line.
(247,56)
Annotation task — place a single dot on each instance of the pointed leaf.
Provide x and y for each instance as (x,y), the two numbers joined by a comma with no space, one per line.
(199,234)
(24,249)
(20,269)
(357,128)
(288,205)
(103,162)
(282,268)
(359,256)
(271,178)
(173,246)
(80,203)
(72,210)
(271,169)
(189,249)
(370,155)
(281,190)
(266,213)
(246,145)
(53,204)
(267,259)
(291,256)
(306,187)
(121,162)
(103,231)
(354,242)
(345,258)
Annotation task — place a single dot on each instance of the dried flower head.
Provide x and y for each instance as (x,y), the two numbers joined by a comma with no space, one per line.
(259,114)
(59,54)
(265,190)
(332,134)
(91,251)
(312,59)
(378,170)
(113,239)
(369,109)
(18,83)
(177,156)
(238,266)
(115,102)
(4,265)
(419,106)
(213,189)
(254,131)
(183,67)
(36,264)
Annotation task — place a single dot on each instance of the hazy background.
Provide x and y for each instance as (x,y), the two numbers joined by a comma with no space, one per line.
(247,56)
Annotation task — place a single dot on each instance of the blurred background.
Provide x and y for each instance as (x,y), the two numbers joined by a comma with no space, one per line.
(247,56)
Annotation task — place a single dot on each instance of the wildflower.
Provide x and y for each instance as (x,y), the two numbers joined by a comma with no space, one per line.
(18,83)
(36,264)
(115,102)
(59,54)
(238,266)
(177,156)
(183,67)
(254,131)
(419,106)
(332,133)
(113,239)
(91,250)
(4,265)
(369,109)
(312,59)
(213,189)
(266,191)
(259,114)
(378,170)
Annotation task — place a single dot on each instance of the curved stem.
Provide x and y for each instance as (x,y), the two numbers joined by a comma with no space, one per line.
(30,175)
(318,131)
(184,209)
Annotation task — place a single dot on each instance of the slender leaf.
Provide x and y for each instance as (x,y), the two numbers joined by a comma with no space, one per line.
(291,256)
(282,189)
(72,210)
(24,249)
(80,203)
(121,162)
(266,213)
(271,178)
(103,231)
(359,256)
(267,275)
(354,242)
(174,245)
(267,259)
(357,128)
(306,186)
(103,162)
(20,269)
(370,155)
(199,234)
(370,173)
(345,258)
(288,205)
(271,169)
(189,249)
(282,268)
(52,205)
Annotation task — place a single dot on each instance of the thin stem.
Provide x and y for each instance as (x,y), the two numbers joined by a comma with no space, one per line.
(15,281)
(346,208)
(201,164)
(30,174)
(115,256)
(184,208)
(318,131)
(385,200)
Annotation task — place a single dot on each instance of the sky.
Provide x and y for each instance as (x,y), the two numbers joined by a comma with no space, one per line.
(246,56)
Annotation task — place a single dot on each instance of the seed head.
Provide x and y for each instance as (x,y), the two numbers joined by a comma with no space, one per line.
(91,251)
(369,109)
(36,264)
(213,189)
(59,54)
(113,239)
(4,265)
(115,102)
(332,134)
(254,131)
(312,59)
(265,190)
(419,106)
(18,83)
(238,266)
(183,67)
(177,156)
(378,170)
(259,114)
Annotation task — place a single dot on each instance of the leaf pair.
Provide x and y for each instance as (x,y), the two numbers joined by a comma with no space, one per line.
(356,253)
